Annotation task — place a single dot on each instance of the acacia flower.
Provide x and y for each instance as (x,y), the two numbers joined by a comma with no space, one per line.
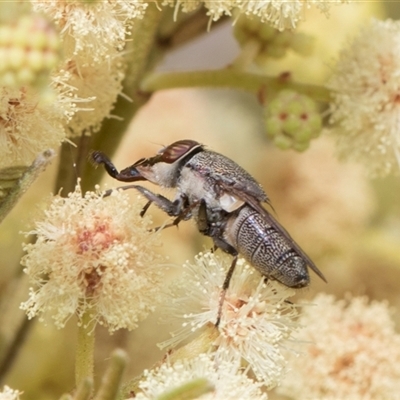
(93,255)
(28,125)
(229,382)
(98,86)
(351,351)
(92,28)
(256,322)
(9,394)
(366,92)
(279,13)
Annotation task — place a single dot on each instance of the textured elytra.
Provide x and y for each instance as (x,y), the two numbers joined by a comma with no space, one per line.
(270,252)
(222,171)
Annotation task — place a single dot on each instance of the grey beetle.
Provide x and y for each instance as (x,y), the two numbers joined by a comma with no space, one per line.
(226,202)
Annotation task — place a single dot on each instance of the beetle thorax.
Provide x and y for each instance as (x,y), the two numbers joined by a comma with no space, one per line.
(197,187)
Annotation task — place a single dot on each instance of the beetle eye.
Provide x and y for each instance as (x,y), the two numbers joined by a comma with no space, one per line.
(177,150)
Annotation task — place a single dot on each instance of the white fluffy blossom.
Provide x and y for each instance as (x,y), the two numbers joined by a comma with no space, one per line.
(366,90)
(280,13)
(95,255)
(92,28)
(9,394)
(230,383)
(256,321)
(350,351)
(28,125)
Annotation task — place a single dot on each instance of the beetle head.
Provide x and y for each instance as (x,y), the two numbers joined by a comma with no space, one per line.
(163,168)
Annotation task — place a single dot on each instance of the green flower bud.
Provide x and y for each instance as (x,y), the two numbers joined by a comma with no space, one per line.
(29,49)
(292,120)
(273,43)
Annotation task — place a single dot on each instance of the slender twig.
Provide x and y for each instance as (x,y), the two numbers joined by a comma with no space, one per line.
(14,347)
(84,360)
(230,78)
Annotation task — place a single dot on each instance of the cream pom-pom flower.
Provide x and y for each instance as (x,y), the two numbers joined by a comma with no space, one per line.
(229,381)
(95,255)
(351,351)
(366,93)
(256,323)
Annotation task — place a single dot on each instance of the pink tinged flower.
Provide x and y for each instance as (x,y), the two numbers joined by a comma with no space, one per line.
(93,255)
(257,322)
(366,98)
(230,383)
(351,351)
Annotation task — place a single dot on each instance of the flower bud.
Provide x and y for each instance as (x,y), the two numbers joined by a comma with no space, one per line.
(292,120)
(30,49)
(273,43)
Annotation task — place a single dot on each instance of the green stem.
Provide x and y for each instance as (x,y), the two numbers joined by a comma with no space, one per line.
(230,78)
(84,361)
(189,390)
(84,390)
(112,378)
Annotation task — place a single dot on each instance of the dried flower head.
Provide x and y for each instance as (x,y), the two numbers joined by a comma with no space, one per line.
(351,352)
(9,394)
(279,13)
(229,382)
(256,320)
(93,255)
(366,90)
(93,27)
(28,125)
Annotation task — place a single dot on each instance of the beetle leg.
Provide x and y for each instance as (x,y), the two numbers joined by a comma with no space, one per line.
(208,229)
(97,157)
(160,201)
(145,208)
(202,221)
(130,174)
(225,287)
(178,208)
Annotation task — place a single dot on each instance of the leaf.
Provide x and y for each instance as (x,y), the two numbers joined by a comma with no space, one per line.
(15,181)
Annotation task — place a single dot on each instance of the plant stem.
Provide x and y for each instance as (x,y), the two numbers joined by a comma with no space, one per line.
(112,378)
(189,390)
(22,181)
(84,361)
(230,78)
(140,49)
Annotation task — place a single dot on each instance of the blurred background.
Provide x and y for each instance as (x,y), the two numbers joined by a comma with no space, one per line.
(348,224)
